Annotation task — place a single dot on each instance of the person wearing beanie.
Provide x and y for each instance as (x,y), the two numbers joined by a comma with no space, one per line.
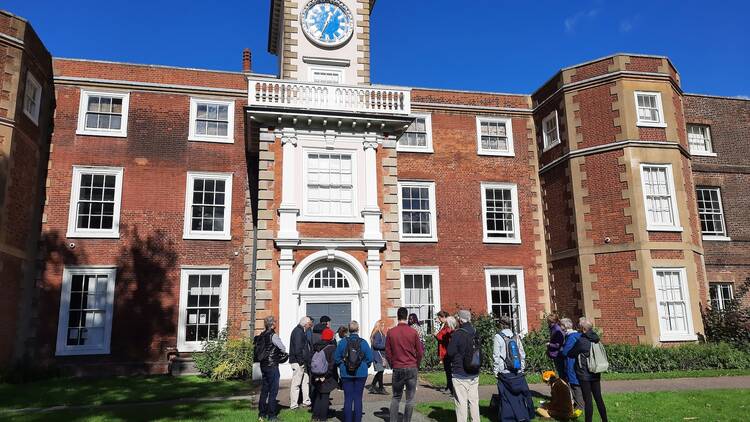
(326,382)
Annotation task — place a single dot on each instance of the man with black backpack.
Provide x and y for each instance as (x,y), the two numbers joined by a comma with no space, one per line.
(353,357)
(269,351)
(465,354)
(515,402)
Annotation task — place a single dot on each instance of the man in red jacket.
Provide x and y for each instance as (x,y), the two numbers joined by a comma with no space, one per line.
(404,352)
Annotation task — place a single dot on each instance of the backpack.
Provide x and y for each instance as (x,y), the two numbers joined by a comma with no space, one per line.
(473,356)
(353,354)
(260,351)
(512,353)
(319,363)
(597,360)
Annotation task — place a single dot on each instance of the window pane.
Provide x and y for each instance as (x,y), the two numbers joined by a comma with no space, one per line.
(329,184)
(504,298)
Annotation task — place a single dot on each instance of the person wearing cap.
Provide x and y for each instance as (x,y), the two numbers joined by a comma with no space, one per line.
(325,322)
(327,383)
(465,384)
(404,351)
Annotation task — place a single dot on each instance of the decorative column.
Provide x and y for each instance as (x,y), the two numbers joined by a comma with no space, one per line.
(371,212)
(288,210)
(373,284)
(287,317)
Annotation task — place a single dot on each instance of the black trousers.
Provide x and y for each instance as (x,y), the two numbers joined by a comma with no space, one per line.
(377,380)
(593,388)
(448,375)
(320,406)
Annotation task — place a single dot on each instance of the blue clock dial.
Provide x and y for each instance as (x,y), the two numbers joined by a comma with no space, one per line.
(327,22)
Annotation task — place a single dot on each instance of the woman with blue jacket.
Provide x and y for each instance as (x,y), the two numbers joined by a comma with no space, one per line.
(352,349)
(571,336)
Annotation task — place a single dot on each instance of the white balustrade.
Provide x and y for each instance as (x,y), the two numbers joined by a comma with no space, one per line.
(287,94)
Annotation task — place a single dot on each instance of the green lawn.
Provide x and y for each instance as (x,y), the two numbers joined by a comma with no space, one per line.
(701,405)
(438,378)
(203,411)
(79,391)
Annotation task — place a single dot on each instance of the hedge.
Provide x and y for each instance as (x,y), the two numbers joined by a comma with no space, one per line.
(622,357)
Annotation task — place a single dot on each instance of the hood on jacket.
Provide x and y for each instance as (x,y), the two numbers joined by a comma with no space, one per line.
(507,332)
(592,336)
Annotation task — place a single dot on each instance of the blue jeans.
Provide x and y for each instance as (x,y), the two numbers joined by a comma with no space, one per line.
(268,391)
(353,390)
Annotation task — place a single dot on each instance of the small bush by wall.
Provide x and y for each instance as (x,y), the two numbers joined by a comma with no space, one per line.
(225,358)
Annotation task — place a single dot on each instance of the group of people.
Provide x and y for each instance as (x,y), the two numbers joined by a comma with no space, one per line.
(323,361)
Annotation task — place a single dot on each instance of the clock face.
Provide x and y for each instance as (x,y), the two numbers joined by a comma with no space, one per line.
(327,23)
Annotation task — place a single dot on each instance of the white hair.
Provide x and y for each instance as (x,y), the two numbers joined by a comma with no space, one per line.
(585,323)
(451,321)
(304,321)
(566,323)
(353,327)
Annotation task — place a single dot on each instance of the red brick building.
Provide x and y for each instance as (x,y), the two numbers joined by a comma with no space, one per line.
(180,201)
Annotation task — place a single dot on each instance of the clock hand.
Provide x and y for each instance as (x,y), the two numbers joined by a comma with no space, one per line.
(328,20)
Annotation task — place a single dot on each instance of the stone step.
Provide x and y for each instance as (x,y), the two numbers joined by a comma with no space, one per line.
(183,366)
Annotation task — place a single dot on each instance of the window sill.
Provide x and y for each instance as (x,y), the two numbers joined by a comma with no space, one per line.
(703,154)
(663,229)
(497,153)
(218,140)
(502,241)
(111,134)
(322,219)
(665,338)
(81,352)
(199,236)
(651,124)
(549,147)
(418,150)
(189,348)
(418,239)
(93,235)
(718,238)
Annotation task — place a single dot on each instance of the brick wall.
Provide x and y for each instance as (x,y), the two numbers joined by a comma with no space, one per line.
(156,157)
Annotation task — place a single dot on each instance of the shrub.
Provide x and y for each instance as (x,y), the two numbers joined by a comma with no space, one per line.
(622,357)
(225,358)
(731,324)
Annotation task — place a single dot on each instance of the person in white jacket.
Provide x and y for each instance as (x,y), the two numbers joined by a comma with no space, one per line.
(498,347)
(515,402)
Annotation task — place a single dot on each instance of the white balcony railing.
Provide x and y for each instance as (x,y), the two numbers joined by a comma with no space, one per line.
(302,95)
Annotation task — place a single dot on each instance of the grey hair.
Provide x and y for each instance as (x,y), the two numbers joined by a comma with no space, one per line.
(269,322)
(451,321)
(305,320)
(566,323)
(585,323)
(353,327)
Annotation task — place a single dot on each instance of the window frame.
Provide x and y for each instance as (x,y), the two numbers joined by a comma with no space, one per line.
(434,272)
(193,136)
(34,115)
(724,237)
(430,185)
(546,144)
(688,335)
(185,273)
(75,191)
(708,140)
(650,226)
(428,148)
(720,295)
(520,283)
(83,108)
(188,232)
(516,239)
(508,132)
(62,348)
(645,123)
(305,215)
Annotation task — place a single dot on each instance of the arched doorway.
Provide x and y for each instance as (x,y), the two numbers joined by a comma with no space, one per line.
(330,289)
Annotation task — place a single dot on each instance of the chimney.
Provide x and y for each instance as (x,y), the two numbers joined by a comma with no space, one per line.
(246,61)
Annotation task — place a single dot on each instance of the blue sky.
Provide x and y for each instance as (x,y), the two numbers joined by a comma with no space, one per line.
(489,45)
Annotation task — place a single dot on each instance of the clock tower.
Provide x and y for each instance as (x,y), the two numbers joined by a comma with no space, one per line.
(322,41)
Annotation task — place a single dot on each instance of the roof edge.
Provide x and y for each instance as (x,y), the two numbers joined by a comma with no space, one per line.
(160,66)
